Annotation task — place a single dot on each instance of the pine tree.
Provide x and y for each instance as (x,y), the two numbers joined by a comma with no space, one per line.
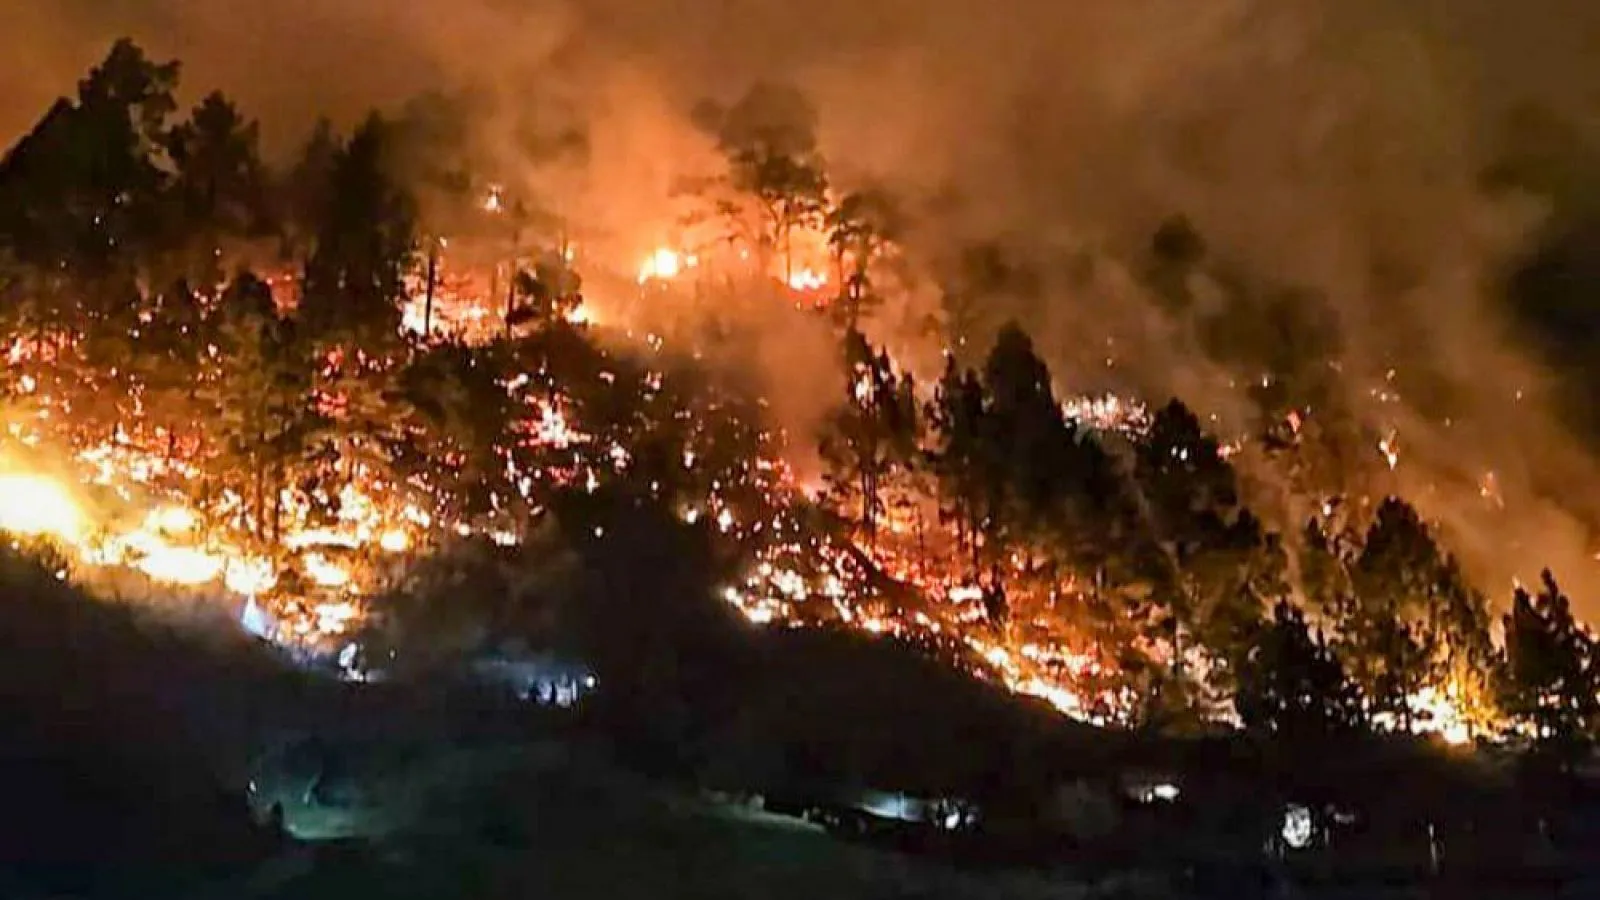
(1215,567)
(306,191)
(1026,437)
(459,418)
(1292,684)
(83,189)
(957,417)
(769,139)
(860,227)
(1176,250)
(365,244)
(264,422)
(547,295)
(1404,590)
(874,432)
(219,190)
(1551,678)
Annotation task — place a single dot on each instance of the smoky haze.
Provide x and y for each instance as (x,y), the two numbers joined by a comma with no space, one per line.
(1334,146)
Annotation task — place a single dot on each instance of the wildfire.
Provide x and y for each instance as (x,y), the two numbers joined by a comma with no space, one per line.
(465,305)
(250,577)
(1433,711)
(665,264)
(800,578)
(911,580)
(168,545)
(807,280)
(1109,413)
(326,573)
(41,506)
(179,565)
(36,506)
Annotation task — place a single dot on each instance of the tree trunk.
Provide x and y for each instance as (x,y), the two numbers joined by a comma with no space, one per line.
(844,284)
(494,284)
(511,297)
(277,506)
(866,508)
(1177,647)
(922,528)
(259,504)
(511,287)
(975,534)
(427,303)
(788,257)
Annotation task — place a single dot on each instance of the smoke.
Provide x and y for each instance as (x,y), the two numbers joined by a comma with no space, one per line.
(1336,147)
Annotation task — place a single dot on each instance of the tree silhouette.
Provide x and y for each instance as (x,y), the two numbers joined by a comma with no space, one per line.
(264,421)
(861,226)
(1401,586)
(873,433)
(1216,569)
(769,139)
(365,242)
(82,191)
(219,190)
(461,415)
(306,191)
(1025,434)
(1551,679)
(1176,250)
(957,417)
(1292,684)
(548,294)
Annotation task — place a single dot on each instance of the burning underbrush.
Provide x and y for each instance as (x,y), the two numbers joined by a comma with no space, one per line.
(336,555)
(321,537)
(339,550)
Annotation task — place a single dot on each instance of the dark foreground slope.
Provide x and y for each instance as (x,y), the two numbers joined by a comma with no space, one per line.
(579,828)
(106,790)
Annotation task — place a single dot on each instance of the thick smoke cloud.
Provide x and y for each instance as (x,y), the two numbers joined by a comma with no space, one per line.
(1334,146)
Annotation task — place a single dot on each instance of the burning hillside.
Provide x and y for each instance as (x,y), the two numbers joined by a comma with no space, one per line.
(427,355)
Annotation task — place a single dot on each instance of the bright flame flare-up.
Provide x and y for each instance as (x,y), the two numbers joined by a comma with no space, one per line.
(807,280)
(38,506)
(665,264)
(35,506)
(166,545)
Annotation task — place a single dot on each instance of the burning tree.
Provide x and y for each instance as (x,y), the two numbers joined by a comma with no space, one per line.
(768,137)
(260,395)
(1550,678)
(874,433)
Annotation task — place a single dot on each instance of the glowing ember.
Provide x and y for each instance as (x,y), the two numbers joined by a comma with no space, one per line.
(1390,448)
